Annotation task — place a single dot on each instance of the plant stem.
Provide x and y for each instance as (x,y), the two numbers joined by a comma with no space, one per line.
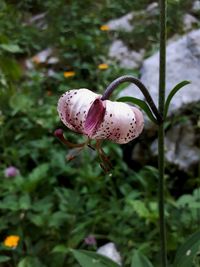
(161,160)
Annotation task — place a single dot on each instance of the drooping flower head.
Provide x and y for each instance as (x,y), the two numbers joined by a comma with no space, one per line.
(84,112)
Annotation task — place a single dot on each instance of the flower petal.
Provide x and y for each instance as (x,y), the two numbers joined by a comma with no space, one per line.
(94,117)
(84,112)
(73,107)
(139,121)
(119,124)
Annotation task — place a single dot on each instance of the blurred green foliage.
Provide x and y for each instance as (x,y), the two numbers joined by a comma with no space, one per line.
(53,204)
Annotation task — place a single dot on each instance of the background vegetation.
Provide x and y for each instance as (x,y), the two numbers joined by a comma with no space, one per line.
(53,204)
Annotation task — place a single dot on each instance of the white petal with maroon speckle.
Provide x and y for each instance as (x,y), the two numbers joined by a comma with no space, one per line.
(83,111)
(119,124)
(73,107)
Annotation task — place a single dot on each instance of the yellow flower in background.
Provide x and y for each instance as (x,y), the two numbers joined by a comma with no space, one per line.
(68,74)
(104,28)
(103,66)
(11,241)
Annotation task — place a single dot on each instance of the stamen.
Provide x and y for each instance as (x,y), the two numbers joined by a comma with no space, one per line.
(73,153)
(59,134)
(105,164)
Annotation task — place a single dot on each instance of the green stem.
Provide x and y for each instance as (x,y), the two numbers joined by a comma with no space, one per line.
(161,161)
(161,167)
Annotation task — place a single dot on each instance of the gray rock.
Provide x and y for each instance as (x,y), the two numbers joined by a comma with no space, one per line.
(123,23)
(189,22)
(152,9)
(43,55)
(183,63)
(196,6)
(109,250)
(126,58)
(126,22)
(39,21)
(180,146)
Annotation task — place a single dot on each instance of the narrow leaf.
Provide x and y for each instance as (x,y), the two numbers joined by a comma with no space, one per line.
(172,93)
(107,261)
(139,260)
(60,249)
(4,258)
(142,104)
(92,259)
(188,251)
(30,262)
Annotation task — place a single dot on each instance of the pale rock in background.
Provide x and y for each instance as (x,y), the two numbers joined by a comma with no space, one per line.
(109,250)
(183,63)
(180,148)
(123,23)
(189,21)
(196,6)
(127,58)
(126,22)
(42,56)
(39,21)
(152,9)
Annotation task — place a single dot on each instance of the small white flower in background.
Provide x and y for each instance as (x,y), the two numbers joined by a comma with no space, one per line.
(109,250)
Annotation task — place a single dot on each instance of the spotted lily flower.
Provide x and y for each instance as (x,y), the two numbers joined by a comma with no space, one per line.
(84,112)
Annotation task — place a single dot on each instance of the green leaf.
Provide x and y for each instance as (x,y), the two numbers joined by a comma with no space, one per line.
(24,202)
(30,262)
(58,219)
(20,102)
(92,259)
(60,249)
(10,68)
(188,251)
(36,177)
(172,93)
(12,48)
(140,208)
(4,258)
(142,104)
(139,260)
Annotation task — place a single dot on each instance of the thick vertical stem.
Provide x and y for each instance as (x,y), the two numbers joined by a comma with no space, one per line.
(161,165)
